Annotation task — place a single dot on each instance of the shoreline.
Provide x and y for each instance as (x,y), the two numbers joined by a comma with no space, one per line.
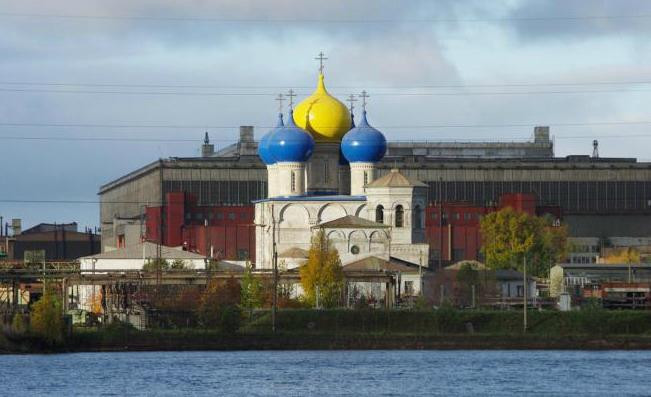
(161,342)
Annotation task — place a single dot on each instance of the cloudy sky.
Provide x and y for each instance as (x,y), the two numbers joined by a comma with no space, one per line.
(96,76)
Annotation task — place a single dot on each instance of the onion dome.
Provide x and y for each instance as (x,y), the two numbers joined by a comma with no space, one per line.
(263,146)
(323,115)
(290,143)
(364,144)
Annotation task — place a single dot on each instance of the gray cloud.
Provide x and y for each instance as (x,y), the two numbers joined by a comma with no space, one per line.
(600,24)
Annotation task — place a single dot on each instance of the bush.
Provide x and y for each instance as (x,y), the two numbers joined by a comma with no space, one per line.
(219,306)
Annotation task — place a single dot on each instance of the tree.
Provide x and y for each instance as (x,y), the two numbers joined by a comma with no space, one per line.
(46,318)
(509,236)
(623,255)
(219,303)
(467,278)
(322,274)
(251,290)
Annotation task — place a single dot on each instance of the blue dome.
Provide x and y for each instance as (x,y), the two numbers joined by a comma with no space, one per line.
(290,143)
(263,146)
(364,144)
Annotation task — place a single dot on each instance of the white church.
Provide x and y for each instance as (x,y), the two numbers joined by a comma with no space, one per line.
(322,176)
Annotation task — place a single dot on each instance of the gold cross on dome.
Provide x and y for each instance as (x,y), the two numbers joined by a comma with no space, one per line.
(280,98)
(321,58)
(291,94)
(364,95)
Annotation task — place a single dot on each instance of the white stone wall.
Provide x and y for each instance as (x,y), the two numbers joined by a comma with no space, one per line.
(361,174)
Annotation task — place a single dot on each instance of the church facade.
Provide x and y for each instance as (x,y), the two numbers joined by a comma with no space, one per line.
(321,170)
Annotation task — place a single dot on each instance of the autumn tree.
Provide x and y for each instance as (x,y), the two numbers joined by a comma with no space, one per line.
(251,294)
(219,305)
(467,279)
(322,274)
(46,318)
(623,255)
(510,236)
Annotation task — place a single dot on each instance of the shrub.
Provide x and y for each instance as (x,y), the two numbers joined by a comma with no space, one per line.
(47,320)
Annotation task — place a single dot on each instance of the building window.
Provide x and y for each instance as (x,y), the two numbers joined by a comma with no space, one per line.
(400,216)
(354,250)
(520,291)
(435,215)
(379,214)
(220,216)
(365,178)
(458,255)
(231,216)
(409,287)
(242,254)
(326,174)
(293,181)
(467,216)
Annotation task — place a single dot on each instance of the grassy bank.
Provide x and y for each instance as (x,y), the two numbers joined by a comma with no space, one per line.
(345,329)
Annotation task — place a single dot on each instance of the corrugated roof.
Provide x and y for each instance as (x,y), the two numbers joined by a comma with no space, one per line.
(373,263)
(150,251)
(351,221)
(395,179)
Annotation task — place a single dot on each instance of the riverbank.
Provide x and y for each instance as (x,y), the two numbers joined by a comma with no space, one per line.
(96,341)
(368,330)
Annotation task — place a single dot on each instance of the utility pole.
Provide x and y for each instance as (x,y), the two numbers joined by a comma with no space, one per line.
(525,293)
(274,306)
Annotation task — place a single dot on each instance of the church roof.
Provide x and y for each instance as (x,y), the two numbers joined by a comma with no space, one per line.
(351,221)
(373,263)
(395,179)
(294,252)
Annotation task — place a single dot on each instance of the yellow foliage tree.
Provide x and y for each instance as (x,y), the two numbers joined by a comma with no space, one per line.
(509,236)
(322,274)
(46,319)
(624,255)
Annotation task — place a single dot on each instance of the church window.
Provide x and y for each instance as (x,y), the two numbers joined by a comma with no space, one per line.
(379,214)
(400,216)
(293,181)
(365,178)
(354,250)
(326,174)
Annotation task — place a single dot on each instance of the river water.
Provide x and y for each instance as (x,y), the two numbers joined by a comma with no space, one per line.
(349,373)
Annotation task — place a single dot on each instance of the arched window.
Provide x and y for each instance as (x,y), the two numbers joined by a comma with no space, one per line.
(293,181)
(400,216)
(379,214)
(418,217)
(365,178)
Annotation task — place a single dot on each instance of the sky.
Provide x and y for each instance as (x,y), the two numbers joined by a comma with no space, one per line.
(93,89)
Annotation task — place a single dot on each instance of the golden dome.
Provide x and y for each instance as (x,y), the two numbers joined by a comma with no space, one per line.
(323,115)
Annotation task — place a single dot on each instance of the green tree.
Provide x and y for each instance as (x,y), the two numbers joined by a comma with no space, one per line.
(509,236)
(322,273)
(46,319)
(251,294)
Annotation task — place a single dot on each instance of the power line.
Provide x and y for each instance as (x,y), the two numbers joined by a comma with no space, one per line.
(324,20)
(388,87)
(205,94)
(405,126)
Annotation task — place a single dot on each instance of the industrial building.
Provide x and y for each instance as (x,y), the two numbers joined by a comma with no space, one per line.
(206,203)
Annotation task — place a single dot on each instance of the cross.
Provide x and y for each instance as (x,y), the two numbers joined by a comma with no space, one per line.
(280,98)
(321,58)
(351,99)
(364,95)
(291,94)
